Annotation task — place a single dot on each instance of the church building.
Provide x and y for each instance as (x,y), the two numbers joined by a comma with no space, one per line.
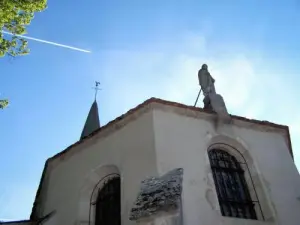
(165,163)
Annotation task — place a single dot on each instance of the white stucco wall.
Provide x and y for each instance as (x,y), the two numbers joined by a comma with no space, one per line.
(158,139)
(182,141)
(130,149)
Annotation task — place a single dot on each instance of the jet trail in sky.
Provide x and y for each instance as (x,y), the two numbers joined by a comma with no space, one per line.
(49,42)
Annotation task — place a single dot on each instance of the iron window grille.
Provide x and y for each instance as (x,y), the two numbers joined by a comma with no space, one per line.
(231,186)
(108,203)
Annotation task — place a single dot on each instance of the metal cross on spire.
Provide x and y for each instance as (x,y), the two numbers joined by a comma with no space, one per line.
(96,88)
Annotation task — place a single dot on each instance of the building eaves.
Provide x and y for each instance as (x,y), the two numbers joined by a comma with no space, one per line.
(133,110)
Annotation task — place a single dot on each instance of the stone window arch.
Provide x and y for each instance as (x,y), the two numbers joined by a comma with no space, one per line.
(256,182)
(99,182)
(231,186)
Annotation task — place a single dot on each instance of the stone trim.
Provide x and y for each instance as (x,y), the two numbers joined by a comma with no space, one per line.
(253,177)
(88,192)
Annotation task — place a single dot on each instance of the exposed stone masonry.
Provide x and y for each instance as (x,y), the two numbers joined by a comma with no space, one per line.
(158,194)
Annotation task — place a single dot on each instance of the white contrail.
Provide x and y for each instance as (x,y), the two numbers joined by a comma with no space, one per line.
(49,42)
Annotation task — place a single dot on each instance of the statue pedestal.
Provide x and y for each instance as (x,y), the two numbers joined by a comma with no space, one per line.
(215,103)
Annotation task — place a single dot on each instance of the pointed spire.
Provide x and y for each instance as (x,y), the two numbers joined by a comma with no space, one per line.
(92,122)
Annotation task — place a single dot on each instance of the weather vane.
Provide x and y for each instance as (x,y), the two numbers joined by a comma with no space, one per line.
(96,88)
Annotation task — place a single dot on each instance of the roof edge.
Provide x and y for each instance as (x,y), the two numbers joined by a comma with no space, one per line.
(18,221)
(170,103)
(33,215)
(131,111)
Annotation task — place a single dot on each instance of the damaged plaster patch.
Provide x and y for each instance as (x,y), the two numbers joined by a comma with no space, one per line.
(158,194)
(210,198)
(209,180)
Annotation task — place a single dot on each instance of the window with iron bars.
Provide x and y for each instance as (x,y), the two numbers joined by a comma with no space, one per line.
(108,204)
(231,186)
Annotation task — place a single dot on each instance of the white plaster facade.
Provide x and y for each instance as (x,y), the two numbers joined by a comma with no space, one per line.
(157,138)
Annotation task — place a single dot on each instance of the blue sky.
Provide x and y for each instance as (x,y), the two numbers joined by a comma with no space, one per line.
(140,49)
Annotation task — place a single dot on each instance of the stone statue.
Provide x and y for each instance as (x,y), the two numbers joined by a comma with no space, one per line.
(212,100)
(206,81)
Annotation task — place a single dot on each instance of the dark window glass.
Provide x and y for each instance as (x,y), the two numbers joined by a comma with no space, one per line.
(233,193)
(108,205)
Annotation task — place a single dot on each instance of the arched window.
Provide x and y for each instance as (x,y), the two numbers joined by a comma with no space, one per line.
(108,204)
(232,190)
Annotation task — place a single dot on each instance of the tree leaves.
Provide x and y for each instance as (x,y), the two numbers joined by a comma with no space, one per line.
(15,15)
(3,103)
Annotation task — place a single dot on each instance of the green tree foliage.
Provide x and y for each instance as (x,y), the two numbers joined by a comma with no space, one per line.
(15,15)
(3,103)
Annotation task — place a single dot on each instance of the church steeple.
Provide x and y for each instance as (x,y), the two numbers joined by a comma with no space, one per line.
(92,122)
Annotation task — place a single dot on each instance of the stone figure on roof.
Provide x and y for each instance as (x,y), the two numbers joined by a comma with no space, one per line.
(212,100)
(206,81)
